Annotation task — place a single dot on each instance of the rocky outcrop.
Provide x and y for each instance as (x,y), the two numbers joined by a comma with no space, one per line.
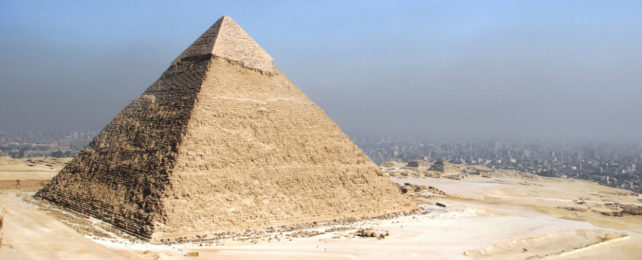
(443,166)
(418,164)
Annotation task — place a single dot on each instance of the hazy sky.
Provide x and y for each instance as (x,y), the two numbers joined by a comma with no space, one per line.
(434,69)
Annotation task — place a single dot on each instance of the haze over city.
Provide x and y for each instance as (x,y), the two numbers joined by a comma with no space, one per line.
(430,69)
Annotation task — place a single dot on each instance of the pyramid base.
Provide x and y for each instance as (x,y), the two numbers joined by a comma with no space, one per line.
(210,236)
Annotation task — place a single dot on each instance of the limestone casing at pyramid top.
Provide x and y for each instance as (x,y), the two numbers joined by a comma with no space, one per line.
(228,40)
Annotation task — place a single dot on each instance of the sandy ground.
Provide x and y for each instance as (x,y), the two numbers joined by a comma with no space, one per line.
(30,168)
(32,234)
(506,216)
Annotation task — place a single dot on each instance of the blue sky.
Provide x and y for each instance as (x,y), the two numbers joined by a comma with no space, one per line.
(435,69)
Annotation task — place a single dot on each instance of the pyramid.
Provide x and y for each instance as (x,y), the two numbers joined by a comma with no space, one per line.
(222,142)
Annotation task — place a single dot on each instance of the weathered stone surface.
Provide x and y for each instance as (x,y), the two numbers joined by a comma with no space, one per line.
(222,142)
(122,174)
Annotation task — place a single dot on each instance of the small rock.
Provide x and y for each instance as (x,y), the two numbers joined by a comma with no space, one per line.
(369,232)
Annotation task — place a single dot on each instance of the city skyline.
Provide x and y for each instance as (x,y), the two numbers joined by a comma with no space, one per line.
(612,164)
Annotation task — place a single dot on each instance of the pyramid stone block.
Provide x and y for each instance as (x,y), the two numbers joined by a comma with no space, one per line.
(222,142)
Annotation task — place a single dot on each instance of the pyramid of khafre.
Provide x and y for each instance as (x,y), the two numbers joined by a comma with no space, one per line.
(222,142)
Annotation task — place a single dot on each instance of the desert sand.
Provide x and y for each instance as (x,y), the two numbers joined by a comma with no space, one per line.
(497,215)
(29,173)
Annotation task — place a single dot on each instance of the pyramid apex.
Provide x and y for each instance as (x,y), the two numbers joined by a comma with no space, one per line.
(226,39)
(224,17)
